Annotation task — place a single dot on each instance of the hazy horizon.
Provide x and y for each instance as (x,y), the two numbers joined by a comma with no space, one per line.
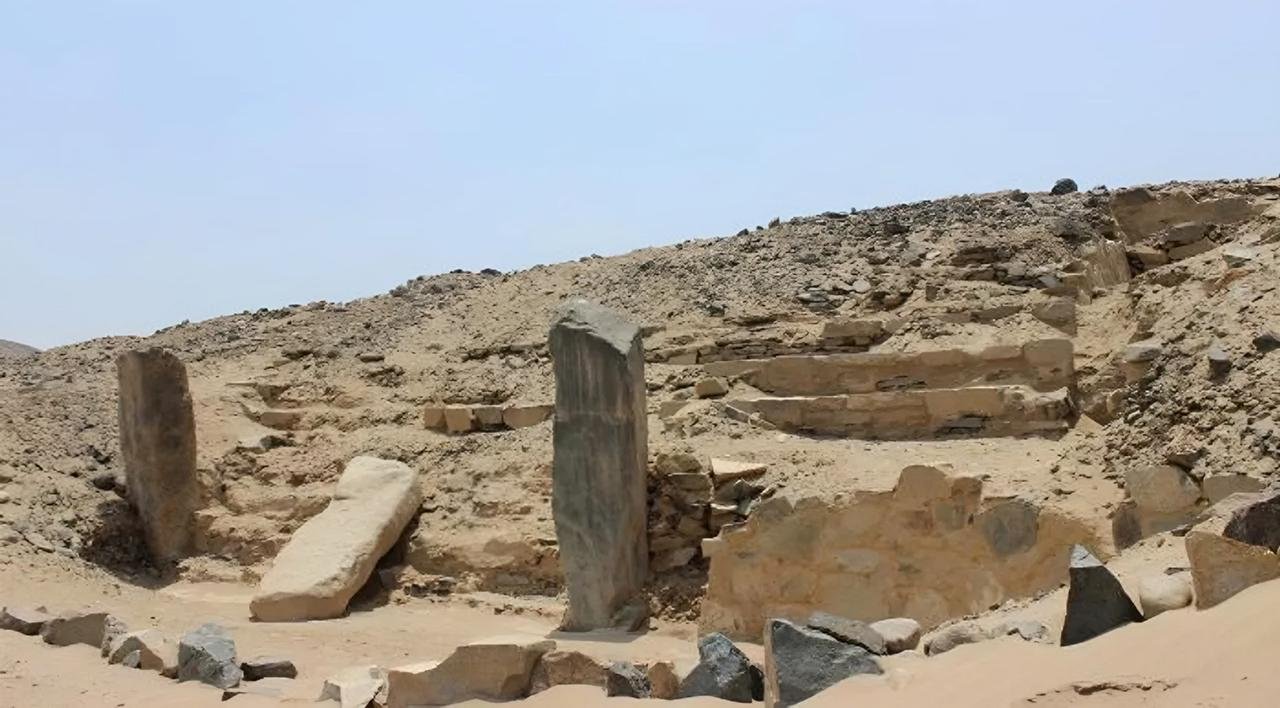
(165,163)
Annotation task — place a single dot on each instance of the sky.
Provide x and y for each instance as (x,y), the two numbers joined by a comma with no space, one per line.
(164,161)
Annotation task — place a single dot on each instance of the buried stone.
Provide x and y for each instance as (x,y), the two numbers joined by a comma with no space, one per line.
(1096,602)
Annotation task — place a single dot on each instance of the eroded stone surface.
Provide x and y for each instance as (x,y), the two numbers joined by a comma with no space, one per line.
(330,556)
(355,687)
(158,448)
(599,496)
(624,678)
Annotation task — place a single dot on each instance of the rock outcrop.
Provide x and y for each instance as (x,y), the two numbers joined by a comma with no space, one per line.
(800,662)
(1096,602)
(600,458)
(332,555)
(158,446)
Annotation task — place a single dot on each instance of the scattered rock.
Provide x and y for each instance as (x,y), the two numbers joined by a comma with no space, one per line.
(948,638)
(623,678)
(1266,341)
(848,631)
(1066,185)
(557,668)
(664,684)
(331,556)
(1096,603)
(1161,593)
(113,629)
(355,687)
(208,655)
(599,462)
(78,627)
(498,669)
(154,652)
(1256,521)
(725,471)
(711,387)
(1144,351)
(801,662)
(24,620)
(261,667)
(899,633)
(723,671)
(1219,360)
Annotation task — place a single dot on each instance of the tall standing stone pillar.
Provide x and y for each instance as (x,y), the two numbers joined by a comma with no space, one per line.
(158,443)
(598,476)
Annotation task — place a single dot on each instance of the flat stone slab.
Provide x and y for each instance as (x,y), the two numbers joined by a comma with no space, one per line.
(332,555)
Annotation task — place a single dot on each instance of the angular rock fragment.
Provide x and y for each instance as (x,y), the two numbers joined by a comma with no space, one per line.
(208,655)
(154,651)
(261,667)
(599,499)
(1222,566)
(498,669)
(24,620)
(723,671)
(331,556)
(624,678)
(557,668)
(801,662)
(1096,602)
(899,633)
(848,631)
(664,683)
(355,687)
(158,447)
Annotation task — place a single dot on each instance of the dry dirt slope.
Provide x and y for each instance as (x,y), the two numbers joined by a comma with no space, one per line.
(16,350)
(353,377)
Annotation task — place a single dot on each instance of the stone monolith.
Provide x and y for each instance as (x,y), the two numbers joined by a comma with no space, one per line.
(598,477)
(158,446)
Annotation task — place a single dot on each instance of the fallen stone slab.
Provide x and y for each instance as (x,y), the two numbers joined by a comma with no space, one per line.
(800,662)
(848,631)
(262,667)
(331,556)
(899,633)
(723,671)
(724,470)
(24,620)
(78,627)
(355,687)
(277,687)
(557,668)
(154,651)
(624,678)
(1096,602)
(600,460)
(1158,594)
(498,669)
(208,655)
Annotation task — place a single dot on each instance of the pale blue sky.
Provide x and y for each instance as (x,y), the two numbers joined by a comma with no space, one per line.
(165,160)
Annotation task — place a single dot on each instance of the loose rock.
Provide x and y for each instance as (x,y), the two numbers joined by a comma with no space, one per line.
(557,668)
(498,669)
(24,620)
(1096,603)
(801,662)
(78,627)
(623,678)
(848,631)
(208,655)
(154,651)
(1066,185)
(723,671)
(948,638)
(664,684)
(899,633)
(355,687)
(1161,593)
(261,667)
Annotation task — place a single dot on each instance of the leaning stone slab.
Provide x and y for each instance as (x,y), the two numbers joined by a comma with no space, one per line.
(499,669)
(78,627)
(599,463)
(23,620)
(723,671)
(158,447)
(208,655)
(155,652)
(1096,602)
(332,555)
(800,662)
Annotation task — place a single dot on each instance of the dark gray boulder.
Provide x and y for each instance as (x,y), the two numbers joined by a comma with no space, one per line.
(1257,523)
(1066,185)
(800,662)
(623,678)
(849,631)
(723,671)
(1096,602)
(208,655)
(260,667)
(599,463)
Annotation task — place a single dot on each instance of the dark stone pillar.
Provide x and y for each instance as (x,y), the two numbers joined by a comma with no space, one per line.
(598,478)
(158,444)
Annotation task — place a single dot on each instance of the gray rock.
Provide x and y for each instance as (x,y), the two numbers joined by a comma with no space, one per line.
(801,662)
(1096,603)
(24,620)
(1257,522)
(1009,527)
(599,497)
(1144,351)
(900,634)
(208,655)
(624,678)
(79,627)
(1266,341)
(1066,185)
(944,640)
(723,671)
(849,631)
(1219,360)
(158,446)
(261,667)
